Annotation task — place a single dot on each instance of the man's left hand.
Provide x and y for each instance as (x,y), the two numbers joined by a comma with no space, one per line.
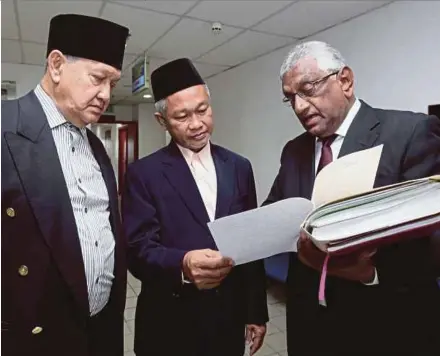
(355,267)
(255,336)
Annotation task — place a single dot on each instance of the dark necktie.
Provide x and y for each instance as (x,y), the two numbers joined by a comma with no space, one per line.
(326,152)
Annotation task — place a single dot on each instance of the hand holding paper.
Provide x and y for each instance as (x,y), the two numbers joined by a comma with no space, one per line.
(345,213)
(262,232)
(206,268)
(275,228)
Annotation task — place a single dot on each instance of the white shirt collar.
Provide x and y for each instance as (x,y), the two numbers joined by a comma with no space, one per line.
(343,129)
(54,116)
(204,154)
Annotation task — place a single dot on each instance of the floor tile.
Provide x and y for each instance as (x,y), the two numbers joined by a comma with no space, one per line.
(126,329)
(130,324)
(271,329)
(130,292)
(274,311)
(279,322)
(128,342)
(277,342)
(265,351)
(271,299)
(135,283)
(131,303)
(281,306)
(129,314)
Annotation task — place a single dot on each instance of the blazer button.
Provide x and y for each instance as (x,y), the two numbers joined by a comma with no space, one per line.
(23,271)
(37,330)
(10,212)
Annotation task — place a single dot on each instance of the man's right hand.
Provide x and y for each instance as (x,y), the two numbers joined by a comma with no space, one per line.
(206,268)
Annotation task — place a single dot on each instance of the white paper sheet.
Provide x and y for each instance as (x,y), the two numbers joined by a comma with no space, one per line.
(352,174)
(274,229)
(262,232)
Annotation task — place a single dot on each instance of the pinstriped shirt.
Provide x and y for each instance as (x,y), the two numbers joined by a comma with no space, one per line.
(90,201)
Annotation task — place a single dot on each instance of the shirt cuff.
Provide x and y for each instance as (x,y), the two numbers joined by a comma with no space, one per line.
(184,280)
(375,280)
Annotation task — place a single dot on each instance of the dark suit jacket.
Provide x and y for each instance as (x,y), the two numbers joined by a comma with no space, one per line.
(164,217)
(398,315)
(43,237)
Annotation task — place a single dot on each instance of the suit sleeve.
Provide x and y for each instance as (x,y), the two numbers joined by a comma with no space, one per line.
(255,274)
(409,263)
(148,259)
(275,193)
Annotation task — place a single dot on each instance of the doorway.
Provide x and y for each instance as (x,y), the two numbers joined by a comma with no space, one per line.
(120,139)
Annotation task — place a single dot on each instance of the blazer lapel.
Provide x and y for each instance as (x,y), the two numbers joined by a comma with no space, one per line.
(34,153)
(225,170)
(363,131)
(115,222)
(179,175)
(108,176)
(306,168)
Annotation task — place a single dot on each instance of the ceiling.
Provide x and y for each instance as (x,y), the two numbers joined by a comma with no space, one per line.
(169,29)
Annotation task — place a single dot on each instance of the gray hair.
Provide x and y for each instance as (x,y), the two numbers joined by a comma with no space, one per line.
(161,105)
(329,59)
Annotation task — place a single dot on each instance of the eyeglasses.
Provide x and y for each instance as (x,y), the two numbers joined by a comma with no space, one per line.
(308,90)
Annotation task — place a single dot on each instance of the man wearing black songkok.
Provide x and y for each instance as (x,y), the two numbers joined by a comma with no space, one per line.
(193,301)
(63,255)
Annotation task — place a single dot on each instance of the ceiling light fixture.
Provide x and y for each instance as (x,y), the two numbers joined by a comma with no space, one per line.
(147,96)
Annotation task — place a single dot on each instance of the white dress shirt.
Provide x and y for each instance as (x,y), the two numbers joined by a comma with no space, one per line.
(203,171)
(202,168)
(341,132)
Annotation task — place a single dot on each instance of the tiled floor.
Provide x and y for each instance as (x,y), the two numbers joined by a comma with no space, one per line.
(275,341)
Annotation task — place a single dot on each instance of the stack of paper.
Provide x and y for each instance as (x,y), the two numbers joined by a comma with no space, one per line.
(377,217)
(345,213)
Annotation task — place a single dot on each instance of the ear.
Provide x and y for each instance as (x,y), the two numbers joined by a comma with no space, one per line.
(161,120)
(55,62)
(346,79)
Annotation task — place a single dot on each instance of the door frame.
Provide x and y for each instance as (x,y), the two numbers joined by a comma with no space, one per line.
(109,119)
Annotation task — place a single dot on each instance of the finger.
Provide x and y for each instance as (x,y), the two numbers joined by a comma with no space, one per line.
(214,273)
(368,253)
(211,253)
(303,236)
(256,344)
(215,263)
(211,277)
(248,335)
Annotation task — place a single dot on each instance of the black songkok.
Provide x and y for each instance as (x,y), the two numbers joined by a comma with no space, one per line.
(173,77)
(88,37)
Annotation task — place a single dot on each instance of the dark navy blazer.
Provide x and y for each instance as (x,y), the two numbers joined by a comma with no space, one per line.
(389,318)
(42,235)
(165,217)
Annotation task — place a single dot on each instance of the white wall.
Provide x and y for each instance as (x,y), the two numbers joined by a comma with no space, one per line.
(26,76)
(124,112)
(151,134)
(394,52)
